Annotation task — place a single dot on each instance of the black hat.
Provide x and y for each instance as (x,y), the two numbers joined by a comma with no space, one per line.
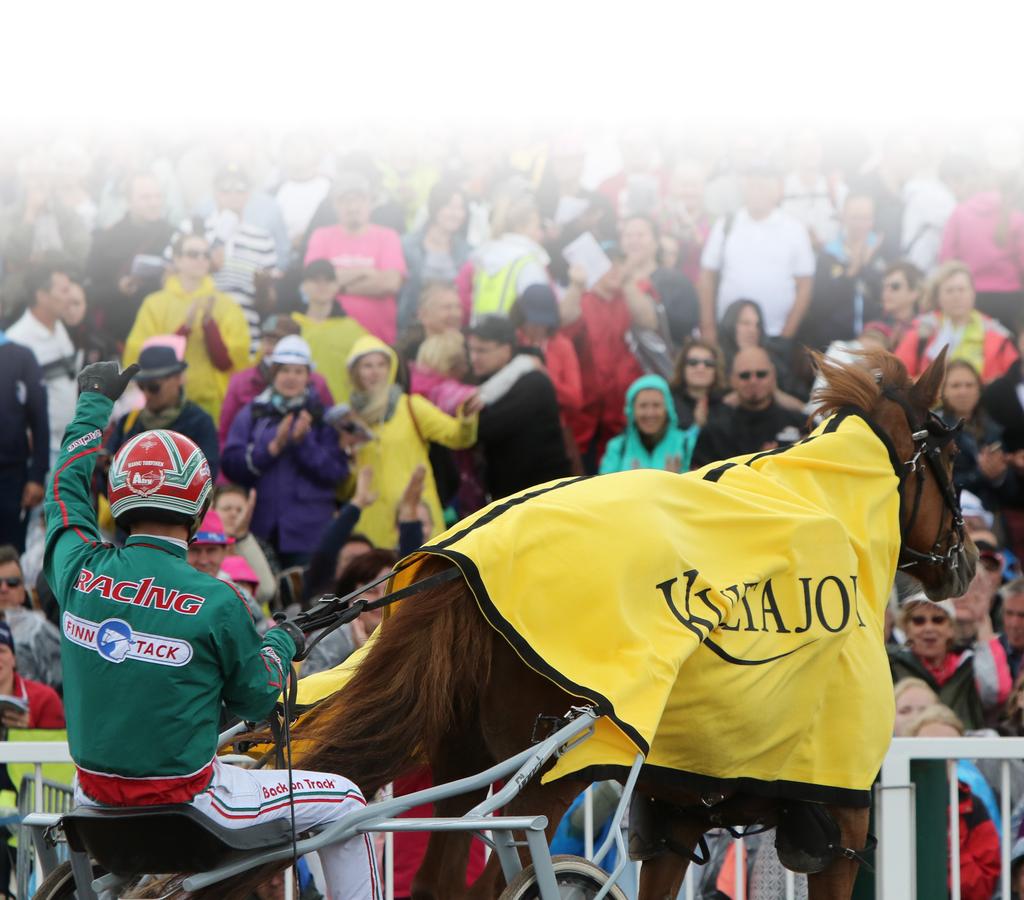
(494,328)
(158,362)
(539,305)
(318,270)
(6,637)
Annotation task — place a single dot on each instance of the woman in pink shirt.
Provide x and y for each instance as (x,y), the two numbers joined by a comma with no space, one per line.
(987,235)
(368,258)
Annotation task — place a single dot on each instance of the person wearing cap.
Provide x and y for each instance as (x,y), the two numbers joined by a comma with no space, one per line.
(216,333)
(208,552)
(249,383)
(402,426)
(324,326)
(520,429)
(38,706)
(969,683)
(847,280)
(535,315)
(761,253)
(367,258)
(154,650)
(280,445)
(597,319)
(161,378)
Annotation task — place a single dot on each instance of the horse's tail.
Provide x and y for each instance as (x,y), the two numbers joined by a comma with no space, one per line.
(422,676)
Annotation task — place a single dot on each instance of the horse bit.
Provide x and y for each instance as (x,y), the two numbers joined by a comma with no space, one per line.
(930,440)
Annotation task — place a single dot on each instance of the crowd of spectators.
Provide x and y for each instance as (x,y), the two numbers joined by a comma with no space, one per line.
(371,344)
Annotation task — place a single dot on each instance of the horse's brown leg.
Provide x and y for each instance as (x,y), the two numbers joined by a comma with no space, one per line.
(510,702)
(836,882)
(442,875)
(662,876)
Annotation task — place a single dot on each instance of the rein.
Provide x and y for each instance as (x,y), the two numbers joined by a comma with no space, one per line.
(930,437)
(331,613)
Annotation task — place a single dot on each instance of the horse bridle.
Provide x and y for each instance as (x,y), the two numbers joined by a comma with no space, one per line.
(931,437)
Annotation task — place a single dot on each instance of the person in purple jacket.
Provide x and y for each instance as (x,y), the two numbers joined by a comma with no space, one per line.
(280,444)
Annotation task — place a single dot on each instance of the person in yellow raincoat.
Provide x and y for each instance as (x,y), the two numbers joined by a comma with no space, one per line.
(217,335)
(402,426)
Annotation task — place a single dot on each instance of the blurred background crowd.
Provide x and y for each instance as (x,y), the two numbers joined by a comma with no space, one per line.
(372,338)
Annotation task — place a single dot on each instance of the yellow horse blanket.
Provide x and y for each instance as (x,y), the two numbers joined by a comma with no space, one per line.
(728,622)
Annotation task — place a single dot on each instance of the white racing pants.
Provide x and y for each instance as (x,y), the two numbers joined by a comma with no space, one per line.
(238,798)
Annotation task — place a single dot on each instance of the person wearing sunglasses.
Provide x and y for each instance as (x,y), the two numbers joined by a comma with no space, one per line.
(37,638)
(757,421)
(213,325)
(161,379)
(969,683)
(699,383)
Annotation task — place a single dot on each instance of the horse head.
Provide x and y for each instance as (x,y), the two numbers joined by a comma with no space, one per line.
(935,548)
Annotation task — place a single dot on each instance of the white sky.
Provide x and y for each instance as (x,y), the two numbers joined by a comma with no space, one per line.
(173,63)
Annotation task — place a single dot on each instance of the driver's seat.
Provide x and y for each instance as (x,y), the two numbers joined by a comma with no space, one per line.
(139,840)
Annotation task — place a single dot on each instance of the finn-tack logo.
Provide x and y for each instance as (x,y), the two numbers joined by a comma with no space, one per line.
(115,641)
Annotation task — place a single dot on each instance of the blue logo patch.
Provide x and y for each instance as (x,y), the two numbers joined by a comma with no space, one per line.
(114,640)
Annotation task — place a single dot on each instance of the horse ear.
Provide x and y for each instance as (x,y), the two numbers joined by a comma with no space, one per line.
(929,383)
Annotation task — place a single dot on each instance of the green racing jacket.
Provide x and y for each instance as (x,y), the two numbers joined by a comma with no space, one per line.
(151,647)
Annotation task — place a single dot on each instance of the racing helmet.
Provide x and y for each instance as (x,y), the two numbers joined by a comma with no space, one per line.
(160,476)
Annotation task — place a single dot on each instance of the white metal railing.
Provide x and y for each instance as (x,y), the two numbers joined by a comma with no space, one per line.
(896,856)
(895,805)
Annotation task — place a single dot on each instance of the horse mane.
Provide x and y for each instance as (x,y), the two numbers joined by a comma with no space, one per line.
(858,383)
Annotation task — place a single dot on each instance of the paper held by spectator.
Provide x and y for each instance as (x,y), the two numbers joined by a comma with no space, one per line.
(147,267)
(570,208)
(586,252)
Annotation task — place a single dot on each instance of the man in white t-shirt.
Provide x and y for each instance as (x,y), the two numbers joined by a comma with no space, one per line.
(42,331)
(759,254)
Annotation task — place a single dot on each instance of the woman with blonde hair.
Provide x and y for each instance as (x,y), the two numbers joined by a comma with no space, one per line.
(953,321)
(913,696)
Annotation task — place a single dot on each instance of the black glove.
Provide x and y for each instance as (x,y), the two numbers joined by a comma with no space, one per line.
(106,378)
(295,633)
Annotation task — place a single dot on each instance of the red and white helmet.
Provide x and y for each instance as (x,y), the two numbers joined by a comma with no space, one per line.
(159,470)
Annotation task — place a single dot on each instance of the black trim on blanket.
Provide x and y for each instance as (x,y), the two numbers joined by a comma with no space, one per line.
(502,508)
(718,472)
(675,778)
(525,651)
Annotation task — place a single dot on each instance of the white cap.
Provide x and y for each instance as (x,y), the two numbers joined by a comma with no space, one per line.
(291,350)
(919,599)
(971,507)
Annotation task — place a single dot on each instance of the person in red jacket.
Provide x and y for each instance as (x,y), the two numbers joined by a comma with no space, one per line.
(45,709)
(597,321)
(535,315)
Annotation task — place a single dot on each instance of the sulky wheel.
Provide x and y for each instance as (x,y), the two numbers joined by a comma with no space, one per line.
(577,879)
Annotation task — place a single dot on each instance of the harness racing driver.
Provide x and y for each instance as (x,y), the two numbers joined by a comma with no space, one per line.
(152,647)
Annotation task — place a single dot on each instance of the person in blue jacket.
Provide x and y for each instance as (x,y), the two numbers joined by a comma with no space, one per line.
(653,438)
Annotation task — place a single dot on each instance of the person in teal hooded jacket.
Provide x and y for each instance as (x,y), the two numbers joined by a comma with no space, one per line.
(653,438)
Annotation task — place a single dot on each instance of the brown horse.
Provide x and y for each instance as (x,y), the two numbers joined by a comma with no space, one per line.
(441,685)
